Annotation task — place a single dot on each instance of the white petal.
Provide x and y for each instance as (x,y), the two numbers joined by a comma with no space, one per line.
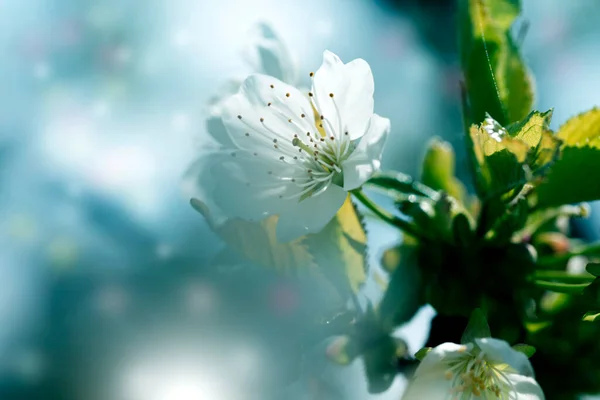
(228,89)
(351,107)
(310,215)
(525,388)
(500,352)
(254,125)
(437,356)
(432,385)
(268,55)
(242,186)
(366,157)
(216,129)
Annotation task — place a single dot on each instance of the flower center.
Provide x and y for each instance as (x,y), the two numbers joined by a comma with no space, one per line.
(473,376)
(315,151)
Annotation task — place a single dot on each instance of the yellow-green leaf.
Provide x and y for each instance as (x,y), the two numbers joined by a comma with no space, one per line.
(526,349)
(572,179)
(582,130)
(531,128)
(420,355)
(339,250)
(507,158)
(334,257)
(256,242)
(592,316)
(499,162)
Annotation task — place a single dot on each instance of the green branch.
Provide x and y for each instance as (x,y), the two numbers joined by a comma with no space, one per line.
(561,287)
(388,217)
(593,248)
(401,183)
(562,276)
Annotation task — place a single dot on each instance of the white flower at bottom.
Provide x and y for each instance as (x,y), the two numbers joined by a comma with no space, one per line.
(294,154)
(486,369)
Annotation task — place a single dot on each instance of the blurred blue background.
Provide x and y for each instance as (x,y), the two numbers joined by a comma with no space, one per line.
(106,289)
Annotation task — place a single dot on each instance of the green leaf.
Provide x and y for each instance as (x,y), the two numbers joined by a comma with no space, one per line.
(379,350)
(461,228)
(513,220)
(582,130)
(591,316)
(334,257)
(403,297)
(379,360)
(518,91)
(420,355)
(507,158)
(439,169)
(499,164)
(422,212)
(593,268)
(591,293)
(497,81)
(572,179)
(491,211)
(476,328)
(339,250)
(525,349)
(256,242)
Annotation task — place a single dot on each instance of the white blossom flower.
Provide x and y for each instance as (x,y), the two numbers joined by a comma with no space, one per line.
(293,154)
(486,369)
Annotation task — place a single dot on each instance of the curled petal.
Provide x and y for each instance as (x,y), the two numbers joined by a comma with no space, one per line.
(366,157)
(500,352)
(525,388)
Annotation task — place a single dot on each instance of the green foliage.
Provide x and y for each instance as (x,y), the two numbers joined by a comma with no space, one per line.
(526,349)
(334,257)
(582,130)
(505,159)
(369,339)
(498,259)
(593,268)
(400,183)
(591,316)
(496,79)
(462,232)
(571,180)
(421,354)
(403,297)
(476,328)
(339,250)
(380,352)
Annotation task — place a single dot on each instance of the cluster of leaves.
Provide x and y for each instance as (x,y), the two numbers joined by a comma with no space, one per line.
(505,249)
